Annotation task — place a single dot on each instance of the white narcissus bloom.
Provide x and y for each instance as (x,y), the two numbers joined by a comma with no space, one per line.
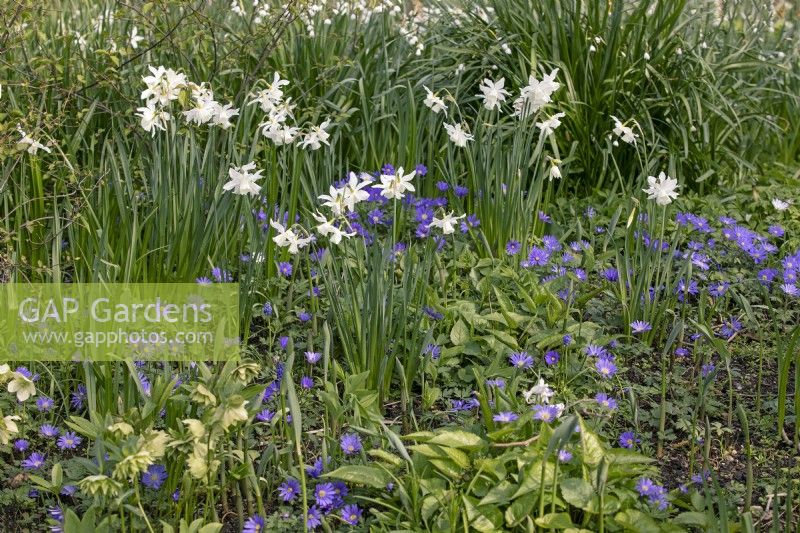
(458,135)
(539,392)
(153,119)
(135,38)
(396,186)
(205,105)
(550,125)
(33,145)
(433,102)
(280,135)
(316,137)
(163,85)
(623,132)
(326,228)
(223,114)
(493,93)
(271,96)
(536,94)
(22,386)
(446,223)
(555,171)
(334,200)
(243,181)
(661,189)
(353,192)
(780,205)
(287,238)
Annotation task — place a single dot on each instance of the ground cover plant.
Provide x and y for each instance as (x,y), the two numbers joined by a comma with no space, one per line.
(503,265)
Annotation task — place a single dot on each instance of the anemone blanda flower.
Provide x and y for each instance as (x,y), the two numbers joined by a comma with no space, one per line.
(350,443)
(351,514)
(505,416)
(662,189)
(605,400)
(521,360)
(289,489)
(154,476)
(68,441)
(640,326)
(243,180)
(254,524)
(605,367)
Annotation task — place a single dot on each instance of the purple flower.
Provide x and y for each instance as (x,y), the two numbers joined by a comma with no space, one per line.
(316,470)
(718,288)
(68,441)
(628,439)
(21,445)
(69,490)
(34,461)
(610,274)
(544,217)
(154,476)
(267,309)
(324,494)
(513,247)
(314,517)
(289,489)
(313,357)
(505,416)
(564,456)
(500,383)
(351,514)
(645,486)
(776,231)
(285,269)
(767,275)
(44,403)
(640,326)
(566,340)
(790,289)
(707,369)
(594,350)
(605,400)
(254,524)
(350,443)
(48,430)
(265,415)
(546,413)
(538,256)
(442,186)
(521,360)
(433,350)
(460,191)
(421,169)
(307,382)
(605,367)
(304,316)
(551,357)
